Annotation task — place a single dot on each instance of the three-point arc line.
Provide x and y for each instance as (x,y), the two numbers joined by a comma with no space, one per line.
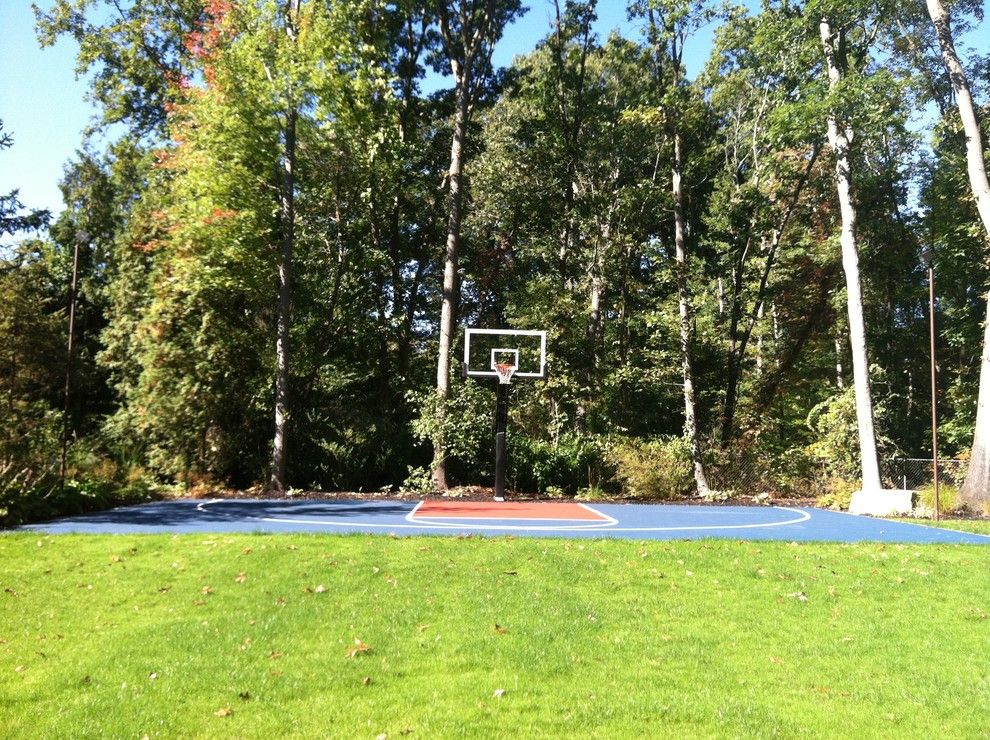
(597,520)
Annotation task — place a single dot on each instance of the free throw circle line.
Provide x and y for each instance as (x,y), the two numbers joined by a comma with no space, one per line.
(802,516)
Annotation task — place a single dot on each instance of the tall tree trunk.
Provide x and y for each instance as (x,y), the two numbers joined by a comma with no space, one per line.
(839,139)
(451,284)
(287,217)
(976,488)
(684,307)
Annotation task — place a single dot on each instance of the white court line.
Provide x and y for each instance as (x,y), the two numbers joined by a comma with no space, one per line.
(912,524)
(604,521)
(803,516)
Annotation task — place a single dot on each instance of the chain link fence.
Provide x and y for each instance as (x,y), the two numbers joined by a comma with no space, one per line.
(752,474)
(912,473)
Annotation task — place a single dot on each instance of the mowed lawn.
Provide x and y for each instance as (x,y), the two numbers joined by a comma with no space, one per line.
(371,636)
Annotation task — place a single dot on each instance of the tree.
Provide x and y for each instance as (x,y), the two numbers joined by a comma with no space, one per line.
(469,30)
(669,24)
(134,50)
(758,192)
(840,136)
(976,488)
(12,218)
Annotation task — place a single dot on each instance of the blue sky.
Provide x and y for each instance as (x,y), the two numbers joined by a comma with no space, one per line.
(43,104)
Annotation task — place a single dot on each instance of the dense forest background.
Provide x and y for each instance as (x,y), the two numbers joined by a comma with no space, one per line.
(285,237)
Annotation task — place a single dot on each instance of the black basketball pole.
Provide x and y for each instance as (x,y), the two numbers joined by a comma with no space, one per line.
(501,421)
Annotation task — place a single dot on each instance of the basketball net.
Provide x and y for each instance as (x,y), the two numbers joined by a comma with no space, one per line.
(505,371)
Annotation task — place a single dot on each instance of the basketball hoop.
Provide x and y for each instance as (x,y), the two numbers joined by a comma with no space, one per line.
(505,371)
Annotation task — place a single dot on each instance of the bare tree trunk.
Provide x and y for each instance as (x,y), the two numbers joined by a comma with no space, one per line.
(839,139)
(684,307)
(287,216)
(976,488)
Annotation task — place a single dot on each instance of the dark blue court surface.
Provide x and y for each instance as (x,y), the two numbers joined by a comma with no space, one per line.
(630,521)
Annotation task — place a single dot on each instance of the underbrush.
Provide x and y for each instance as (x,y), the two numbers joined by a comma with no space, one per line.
(32,490)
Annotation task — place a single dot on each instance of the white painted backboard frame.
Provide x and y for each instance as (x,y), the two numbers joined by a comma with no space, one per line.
(491,372)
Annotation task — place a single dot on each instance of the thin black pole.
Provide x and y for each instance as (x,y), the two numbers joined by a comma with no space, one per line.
(931,332)
(501,421)
(68,362)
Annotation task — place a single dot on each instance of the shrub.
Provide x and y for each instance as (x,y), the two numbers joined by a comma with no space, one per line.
(419,480)
(465,429)
(655,469)
(838,494)
(948,499)
(574,462)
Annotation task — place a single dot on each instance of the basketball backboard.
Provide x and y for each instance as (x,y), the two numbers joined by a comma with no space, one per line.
(524,348)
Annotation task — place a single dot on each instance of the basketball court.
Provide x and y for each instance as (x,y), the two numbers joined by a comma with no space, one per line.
(515,518)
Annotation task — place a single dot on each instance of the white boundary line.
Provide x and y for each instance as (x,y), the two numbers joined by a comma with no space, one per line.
(913,524)
(802,516)
(604,520)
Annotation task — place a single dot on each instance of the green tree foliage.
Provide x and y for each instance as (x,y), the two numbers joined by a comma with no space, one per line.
(13,218)
(282,166)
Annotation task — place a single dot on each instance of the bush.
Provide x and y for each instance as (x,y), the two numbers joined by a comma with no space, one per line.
(574,463)
(653,469)
(30,489)
(838,494)
(419,480)
(465,430)
(948,500)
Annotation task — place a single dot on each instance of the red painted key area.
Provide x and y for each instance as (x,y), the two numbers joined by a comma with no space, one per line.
(507,510)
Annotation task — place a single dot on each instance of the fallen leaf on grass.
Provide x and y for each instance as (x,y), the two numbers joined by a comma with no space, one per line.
(223,712)
(799,595)
(366,681)
(500,630)
(207,590)
(244,696)
(152,676)
(358,648)
(20,669)
(499,693)
(276,654)
(241,577)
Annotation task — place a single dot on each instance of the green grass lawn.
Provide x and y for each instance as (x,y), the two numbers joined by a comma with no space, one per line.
(360,636)
(978,526)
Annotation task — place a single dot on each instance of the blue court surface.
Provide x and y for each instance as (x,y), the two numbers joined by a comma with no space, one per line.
(571,520)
